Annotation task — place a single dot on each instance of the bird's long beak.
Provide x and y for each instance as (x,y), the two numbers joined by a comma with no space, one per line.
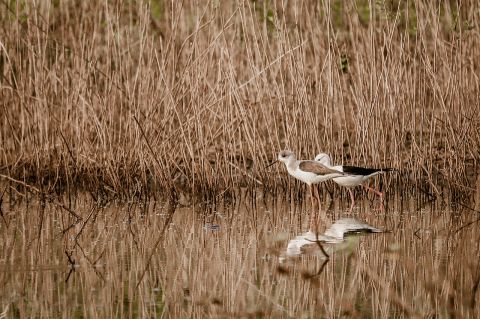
(274,162)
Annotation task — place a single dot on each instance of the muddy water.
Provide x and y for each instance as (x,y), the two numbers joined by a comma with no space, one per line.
(153,259)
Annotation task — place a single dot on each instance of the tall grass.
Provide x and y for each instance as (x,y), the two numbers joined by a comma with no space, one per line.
(126,97)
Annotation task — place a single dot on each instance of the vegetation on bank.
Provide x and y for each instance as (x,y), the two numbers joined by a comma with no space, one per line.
(131,97)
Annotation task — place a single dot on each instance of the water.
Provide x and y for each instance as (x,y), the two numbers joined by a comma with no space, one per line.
(151,259)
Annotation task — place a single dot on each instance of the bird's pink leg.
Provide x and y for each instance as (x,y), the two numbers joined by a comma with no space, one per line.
(379,193)
(317,195)
(352,197)
(311,197)
(312,212)
(321,217)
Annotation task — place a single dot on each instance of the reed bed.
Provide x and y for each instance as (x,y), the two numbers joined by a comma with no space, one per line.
(132,97)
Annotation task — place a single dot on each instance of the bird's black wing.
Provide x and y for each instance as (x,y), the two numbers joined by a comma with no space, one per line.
(355,170)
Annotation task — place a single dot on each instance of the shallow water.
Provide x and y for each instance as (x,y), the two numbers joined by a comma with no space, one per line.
(152,259)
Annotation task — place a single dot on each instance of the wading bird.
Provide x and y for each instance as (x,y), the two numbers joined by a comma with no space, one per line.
(309,172)
(355,176)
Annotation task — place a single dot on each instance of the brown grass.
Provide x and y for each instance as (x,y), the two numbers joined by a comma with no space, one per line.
(129,97)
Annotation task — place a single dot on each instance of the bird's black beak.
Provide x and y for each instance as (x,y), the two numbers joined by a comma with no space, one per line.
(274,162)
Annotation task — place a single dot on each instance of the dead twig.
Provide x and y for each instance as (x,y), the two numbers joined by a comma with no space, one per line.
(1,210)
(71,261)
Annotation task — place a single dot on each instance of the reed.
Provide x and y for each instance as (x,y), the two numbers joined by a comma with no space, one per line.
(130,97)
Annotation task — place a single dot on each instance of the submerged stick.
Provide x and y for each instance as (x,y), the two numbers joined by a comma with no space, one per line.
(171,210)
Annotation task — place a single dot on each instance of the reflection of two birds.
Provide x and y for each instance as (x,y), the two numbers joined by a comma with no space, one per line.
(321,170)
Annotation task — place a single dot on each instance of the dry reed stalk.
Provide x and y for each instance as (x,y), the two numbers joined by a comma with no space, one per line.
(217,89)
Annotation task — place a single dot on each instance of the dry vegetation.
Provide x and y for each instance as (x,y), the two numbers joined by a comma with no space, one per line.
(129,97)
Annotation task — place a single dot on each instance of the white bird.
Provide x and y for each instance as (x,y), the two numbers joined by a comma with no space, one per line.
(309,172)
(355,175)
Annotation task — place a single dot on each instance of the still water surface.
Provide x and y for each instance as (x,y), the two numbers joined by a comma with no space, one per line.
(155,259)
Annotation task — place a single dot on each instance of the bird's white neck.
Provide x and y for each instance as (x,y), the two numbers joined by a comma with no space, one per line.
(290,163)
(325,160)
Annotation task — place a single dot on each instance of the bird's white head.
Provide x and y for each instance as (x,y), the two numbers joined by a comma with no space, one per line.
(323,159)
(286,156)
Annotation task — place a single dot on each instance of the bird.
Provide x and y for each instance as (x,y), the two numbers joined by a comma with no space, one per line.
(309,172)
(355,176)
